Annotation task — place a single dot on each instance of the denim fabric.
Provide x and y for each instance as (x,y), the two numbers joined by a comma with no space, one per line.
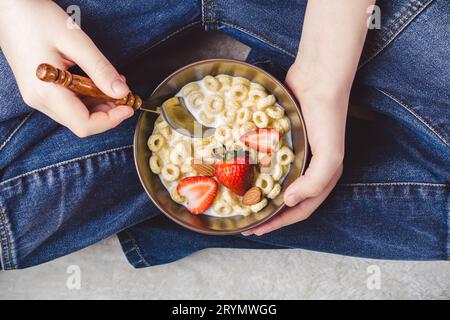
(59,193)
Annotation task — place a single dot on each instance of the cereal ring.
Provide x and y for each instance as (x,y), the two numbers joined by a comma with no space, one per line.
(265,102)
(205,119)
(176,196)
(223,134)
(249,104)
(246,127)
(177,156)
(214,104)
(155,164)
(257,95)
(285,156)
(241,81)
(283,125)
(211,83)
(184,147)
(274,192)
(189,88)
(232,104)
(224,91)
(195,99)
(170,172)
(277,172)
(222,208)
(243,115)
(275,112)
(156,142)
(265,182)
(161,124)
(225,80)
(229,197)
(259,206)
(238,93)
(257,86)
(244,211)
(165,132)
(260,119)
(228,116)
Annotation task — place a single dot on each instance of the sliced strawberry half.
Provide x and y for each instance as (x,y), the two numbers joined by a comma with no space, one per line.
(199,191)
(262,140)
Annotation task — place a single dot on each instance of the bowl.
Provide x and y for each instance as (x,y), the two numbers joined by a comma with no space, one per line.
(151,182)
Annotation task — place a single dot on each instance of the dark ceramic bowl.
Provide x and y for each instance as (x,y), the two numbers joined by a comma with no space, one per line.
(151,182)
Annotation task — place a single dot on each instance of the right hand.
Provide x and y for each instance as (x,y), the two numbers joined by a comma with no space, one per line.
(34,32)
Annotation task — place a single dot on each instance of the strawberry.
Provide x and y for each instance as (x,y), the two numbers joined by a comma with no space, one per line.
(262,140)
(199,191)
(236,175)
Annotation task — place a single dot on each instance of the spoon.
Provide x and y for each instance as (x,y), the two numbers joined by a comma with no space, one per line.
(173,110)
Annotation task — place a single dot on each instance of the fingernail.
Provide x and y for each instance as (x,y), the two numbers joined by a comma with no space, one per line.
(119,87)
(247,233)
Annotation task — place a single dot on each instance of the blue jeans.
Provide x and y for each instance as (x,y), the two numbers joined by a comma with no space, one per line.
(59,193)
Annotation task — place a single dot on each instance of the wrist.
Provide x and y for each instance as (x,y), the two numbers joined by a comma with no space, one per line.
(309,81)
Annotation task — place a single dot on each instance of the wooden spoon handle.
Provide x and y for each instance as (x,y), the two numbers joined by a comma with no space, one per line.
(82,85)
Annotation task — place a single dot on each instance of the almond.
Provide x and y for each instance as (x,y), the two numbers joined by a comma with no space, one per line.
(203,169)
(252,196)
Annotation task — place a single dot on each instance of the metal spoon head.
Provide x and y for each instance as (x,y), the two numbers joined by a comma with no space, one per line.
(177,115)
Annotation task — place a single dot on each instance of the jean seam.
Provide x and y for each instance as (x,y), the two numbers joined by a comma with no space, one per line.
(137,249)
(404,12)
(416,115)
(257,36)
(213,15)
(204,18)
(394,31)
(11,135)
(7,257)
(66,162)
(395,184)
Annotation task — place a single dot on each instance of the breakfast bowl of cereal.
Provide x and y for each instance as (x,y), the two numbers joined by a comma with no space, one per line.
(233,178)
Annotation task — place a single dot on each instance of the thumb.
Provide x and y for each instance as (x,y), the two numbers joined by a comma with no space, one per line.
(321,170)
(94,63)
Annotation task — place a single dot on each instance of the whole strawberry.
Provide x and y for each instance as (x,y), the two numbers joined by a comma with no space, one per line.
(235,174)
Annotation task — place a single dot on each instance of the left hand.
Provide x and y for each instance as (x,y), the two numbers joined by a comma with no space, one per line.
(321,78)
(325,114)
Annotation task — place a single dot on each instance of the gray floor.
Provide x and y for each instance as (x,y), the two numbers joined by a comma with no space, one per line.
(228,274)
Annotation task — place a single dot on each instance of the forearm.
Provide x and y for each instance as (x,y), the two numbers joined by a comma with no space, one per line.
(332,39)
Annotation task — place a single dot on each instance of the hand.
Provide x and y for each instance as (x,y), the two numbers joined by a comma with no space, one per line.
(324,114)
(321,78)
(34,32)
